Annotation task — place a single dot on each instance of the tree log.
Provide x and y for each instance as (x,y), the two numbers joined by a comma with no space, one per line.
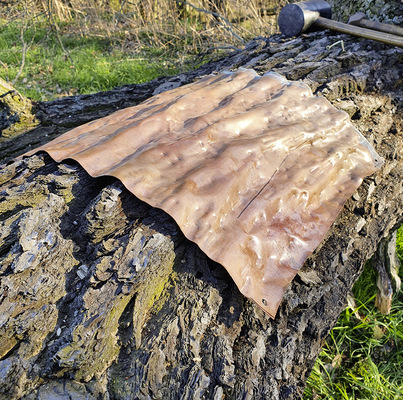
(101,296)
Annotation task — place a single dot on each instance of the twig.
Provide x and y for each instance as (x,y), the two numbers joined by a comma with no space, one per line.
(130,59)
(18,18)
(340,42)
(227,25)
(56,30)
(25,48)
(6,69)
(119,12)
(24,52)
(211,49)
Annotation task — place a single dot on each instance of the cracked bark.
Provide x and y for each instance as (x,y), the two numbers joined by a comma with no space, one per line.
(101,296)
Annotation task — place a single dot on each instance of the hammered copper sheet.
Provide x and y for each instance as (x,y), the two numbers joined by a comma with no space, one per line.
(253,169)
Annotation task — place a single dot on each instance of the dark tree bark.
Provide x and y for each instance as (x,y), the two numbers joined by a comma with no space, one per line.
(101,296)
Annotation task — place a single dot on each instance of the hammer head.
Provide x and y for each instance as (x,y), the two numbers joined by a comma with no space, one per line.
(298,17)
(356,18)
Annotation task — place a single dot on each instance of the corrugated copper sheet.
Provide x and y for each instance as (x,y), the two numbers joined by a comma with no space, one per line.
(253,169)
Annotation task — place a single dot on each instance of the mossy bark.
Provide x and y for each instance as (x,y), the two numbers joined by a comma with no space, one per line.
(16,115)
(101,296)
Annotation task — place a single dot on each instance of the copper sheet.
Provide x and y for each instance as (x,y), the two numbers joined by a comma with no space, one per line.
(253,169)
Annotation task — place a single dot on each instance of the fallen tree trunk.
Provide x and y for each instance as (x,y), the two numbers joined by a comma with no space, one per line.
(101,296)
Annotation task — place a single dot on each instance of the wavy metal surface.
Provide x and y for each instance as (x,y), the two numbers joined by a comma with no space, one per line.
(253,169)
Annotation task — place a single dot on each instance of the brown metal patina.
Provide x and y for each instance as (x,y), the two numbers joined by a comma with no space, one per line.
(253,169)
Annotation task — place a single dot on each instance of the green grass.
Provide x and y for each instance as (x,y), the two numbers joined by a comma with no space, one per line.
(96,64)
(400,244)
(363,357)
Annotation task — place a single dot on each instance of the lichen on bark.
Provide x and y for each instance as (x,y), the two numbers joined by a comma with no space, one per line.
(16,114)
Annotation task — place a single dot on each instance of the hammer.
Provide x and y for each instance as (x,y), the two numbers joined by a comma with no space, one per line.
(359,19)
(299,17)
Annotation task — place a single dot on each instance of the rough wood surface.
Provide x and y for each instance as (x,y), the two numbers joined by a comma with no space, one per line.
(16,115)
(101,296)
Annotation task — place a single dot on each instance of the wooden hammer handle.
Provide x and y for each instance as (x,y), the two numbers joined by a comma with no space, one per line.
(379,26)
(360,32)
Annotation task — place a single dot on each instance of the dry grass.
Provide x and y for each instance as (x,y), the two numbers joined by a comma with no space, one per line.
(131,41)
(192,26)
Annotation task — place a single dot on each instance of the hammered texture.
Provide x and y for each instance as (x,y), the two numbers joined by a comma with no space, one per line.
(254,169)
